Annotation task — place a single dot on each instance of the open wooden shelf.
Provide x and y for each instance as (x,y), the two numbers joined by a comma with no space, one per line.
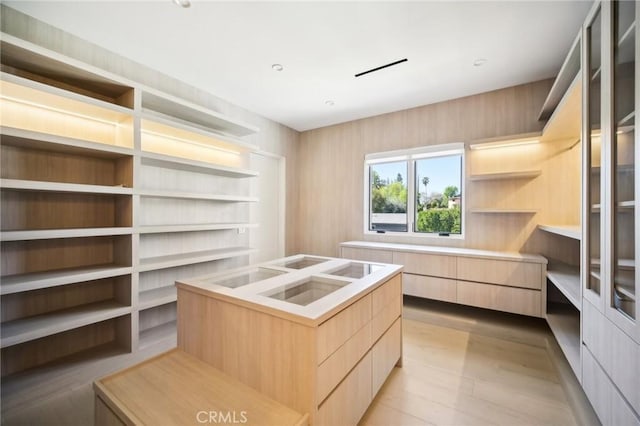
(163,333)
(167,105)
(33,185)
(33,281)
(154,229)
(564,322)
(168,162)
(193,196)
(46,234)
(170,261)
(566,278)
(24,330)
(504,211)
(523,174)
(158,296)
(565,122)
(570,231)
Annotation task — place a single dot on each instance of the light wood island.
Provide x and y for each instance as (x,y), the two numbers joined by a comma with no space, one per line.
(320,339)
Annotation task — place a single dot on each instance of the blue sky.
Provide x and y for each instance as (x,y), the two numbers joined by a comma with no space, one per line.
(442,172)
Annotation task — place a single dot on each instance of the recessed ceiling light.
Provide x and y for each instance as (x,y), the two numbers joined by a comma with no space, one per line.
(183,3)
(479,62)
(277,67)
(329,102)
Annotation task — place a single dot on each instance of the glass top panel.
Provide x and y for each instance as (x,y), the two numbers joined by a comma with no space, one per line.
(305,292)
(251,276)
(357,270)
(305,262)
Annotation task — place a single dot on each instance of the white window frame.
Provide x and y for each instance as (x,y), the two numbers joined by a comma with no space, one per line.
(410,155)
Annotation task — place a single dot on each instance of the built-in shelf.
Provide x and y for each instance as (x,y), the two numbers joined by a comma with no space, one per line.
(628,264)
(156,297)
(170,261)
(193,196)
(622,205)
(168,162)
(570,67)
(570,231)
(43,141)
(627,119)
(504,211)
(34,185)
(156,229)
(596,75)
(565,123)
(627,291)
(26,282)
(46,234)
(153,101)
(524,174)
(27,329)
(162,333)
(564,322)
(566,278)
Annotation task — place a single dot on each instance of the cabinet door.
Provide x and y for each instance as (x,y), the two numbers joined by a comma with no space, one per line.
(623,308)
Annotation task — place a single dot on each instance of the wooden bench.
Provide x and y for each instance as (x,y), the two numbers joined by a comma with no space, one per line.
(175,388)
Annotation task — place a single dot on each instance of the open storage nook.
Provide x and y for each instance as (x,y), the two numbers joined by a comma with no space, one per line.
(103,183)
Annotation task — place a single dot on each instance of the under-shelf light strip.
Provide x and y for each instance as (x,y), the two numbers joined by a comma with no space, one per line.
(58,110)
(174,138)
(506,144)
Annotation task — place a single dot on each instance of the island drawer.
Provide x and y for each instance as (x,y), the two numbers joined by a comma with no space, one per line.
(335,331)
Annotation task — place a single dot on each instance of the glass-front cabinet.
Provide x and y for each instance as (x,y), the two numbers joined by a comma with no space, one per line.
(612,99)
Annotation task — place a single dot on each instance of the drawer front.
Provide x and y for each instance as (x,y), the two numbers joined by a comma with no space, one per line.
(349,401)
(625,366)
(103,416)
(426,264)
(429,287)
(596,334)
(385,354)
(335,331)
(383,319)
(335,368)
(500,298)
(382,256)
(503,272)
(386,293)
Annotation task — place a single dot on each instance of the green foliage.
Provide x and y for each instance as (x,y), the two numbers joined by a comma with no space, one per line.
(440,220)
(391,198)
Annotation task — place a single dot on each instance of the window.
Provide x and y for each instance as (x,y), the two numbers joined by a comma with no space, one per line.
(415,192)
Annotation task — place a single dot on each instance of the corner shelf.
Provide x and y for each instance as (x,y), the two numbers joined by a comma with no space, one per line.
(570,231)
(47,234)
(504,211)
(169,162)
(193,196)
(564,322)
(34,185)
(525,174)
(205,118)
(566,278)
(33,281)
(170,261)
(24,330)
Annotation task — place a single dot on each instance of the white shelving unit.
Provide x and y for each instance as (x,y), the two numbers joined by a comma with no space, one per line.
(566,278)
(570,231)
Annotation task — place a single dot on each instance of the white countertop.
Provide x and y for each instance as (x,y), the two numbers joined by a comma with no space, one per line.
(256,294)
(447,251)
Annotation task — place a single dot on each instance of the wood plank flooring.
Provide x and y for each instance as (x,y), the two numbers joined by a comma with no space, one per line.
(461,366)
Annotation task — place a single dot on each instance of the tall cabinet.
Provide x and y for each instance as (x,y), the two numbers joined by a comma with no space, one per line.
(611,314)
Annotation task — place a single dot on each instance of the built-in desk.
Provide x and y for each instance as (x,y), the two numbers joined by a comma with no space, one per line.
(503,281)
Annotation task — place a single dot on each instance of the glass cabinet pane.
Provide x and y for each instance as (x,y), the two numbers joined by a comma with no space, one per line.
(623,172)
(594,34)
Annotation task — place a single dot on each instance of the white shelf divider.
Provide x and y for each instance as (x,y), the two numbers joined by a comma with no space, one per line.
(34,185)
(170,261)
(27,329)
(157,229)
(26,282)
(45,234)
(524,174)
(156,297)
(193,196)
(168,162)
(566,278)
(570,231)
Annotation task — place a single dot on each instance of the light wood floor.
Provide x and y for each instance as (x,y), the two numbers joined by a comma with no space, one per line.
(461,366)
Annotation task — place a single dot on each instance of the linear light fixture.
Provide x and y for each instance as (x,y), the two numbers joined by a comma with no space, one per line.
(58,110)
(504,144)
(176,139)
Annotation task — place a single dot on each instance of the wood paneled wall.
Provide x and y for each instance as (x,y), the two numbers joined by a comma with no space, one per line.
(331,162)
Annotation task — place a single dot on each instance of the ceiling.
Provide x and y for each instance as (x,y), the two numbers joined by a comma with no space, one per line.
(228,48)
